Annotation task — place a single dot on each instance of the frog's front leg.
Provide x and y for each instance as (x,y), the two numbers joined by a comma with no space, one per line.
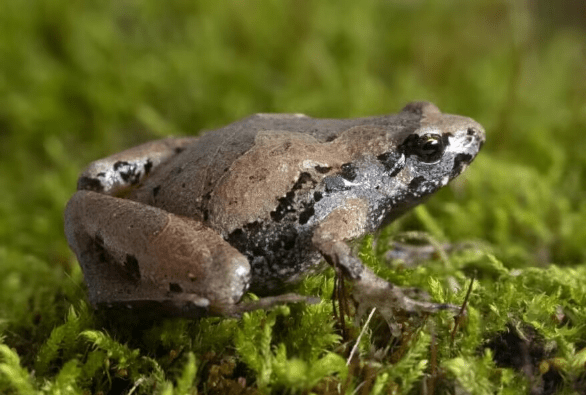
(370,291)
(141,257)
(120,172)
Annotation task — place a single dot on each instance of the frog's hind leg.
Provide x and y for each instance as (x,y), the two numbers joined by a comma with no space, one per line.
(118,173)
(143,258)
(139,256)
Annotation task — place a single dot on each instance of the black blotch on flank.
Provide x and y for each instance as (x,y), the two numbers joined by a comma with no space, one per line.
(416,182)
(334,183)
(284,207)
(178,150)
(306,214)
(237,238)
(304,177)
(175,288)
(131,265)
(286,241)
(392,163)
(286,204)
(88,183)
(156,190)
(322,169)
(317,196)
(349,171)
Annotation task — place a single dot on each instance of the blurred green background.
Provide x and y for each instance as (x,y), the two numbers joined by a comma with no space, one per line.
(82,80)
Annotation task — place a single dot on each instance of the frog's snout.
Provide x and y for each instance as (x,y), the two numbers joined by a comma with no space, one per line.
(473,139)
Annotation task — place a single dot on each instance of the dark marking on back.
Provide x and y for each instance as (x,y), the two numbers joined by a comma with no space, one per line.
(131,265)
(322,169)
(148,166)
(286,204)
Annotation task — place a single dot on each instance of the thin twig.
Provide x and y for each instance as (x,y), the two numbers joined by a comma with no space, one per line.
(356,346)
(461,312)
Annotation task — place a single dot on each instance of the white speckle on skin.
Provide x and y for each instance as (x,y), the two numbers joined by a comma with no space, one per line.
(348,183)
(241,271)
(309,164)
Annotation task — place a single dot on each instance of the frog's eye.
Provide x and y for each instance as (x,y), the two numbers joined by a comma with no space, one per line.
(428,147)
(431,145)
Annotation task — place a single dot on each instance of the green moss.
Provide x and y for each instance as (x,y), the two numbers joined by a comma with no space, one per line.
(80,81)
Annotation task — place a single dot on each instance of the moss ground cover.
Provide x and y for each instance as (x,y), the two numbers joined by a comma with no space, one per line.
(80,80)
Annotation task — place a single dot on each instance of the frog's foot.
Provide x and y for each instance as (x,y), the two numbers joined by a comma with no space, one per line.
(392,302)
(385,296)
(236,310)
(370,291)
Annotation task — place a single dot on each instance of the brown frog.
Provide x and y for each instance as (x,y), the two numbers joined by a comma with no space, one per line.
(186,226)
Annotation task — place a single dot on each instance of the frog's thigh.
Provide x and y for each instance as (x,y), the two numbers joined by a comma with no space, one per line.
(113,174)
(131,252)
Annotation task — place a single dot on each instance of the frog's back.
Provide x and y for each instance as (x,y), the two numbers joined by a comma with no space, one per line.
(185,183)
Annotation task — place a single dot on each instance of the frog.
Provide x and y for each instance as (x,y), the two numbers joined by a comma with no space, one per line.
(187,226)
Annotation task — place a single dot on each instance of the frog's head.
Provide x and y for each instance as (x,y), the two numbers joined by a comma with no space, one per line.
(428,156)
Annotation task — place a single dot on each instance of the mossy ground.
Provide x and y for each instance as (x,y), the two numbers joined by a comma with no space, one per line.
(81,80)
